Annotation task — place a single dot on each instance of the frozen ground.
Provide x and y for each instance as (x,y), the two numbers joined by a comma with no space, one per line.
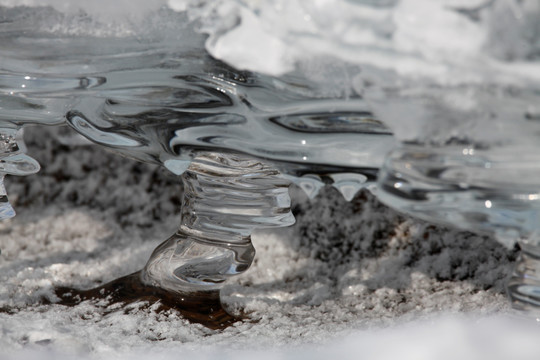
(350,280)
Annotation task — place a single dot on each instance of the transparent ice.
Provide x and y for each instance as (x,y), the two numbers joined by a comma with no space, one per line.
(436,100)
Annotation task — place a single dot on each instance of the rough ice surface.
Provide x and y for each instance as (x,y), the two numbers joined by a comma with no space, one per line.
(460,80)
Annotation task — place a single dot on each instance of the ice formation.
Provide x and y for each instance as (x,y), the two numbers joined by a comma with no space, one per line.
(317,88)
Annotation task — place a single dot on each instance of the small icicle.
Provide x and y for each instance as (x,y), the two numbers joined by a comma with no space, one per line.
(13,161)
(348,184)
(6,210)
(176,166)
(310,183)
(8,142)
(19,164)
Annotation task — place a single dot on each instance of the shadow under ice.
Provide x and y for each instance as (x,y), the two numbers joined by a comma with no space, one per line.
(202,307)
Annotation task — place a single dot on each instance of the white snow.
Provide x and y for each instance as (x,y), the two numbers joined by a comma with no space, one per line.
(446,42)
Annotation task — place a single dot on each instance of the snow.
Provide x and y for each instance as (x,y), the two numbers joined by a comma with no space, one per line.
(348,280)
(444,41)
(441,41)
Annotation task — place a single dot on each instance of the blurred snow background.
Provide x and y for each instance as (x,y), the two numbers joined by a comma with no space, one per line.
(349,279)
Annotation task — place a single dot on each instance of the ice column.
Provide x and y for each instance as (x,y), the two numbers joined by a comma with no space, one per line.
(226,196)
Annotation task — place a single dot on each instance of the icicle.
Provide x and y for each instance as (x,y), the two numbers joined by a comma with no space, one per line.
(6,210)
(348,184)
(177,167)
(310,183)
(13,162)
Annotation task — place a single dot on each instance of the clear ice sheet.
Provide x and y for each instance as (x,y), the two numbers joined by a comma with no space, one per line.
(155,95)
(315,87)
